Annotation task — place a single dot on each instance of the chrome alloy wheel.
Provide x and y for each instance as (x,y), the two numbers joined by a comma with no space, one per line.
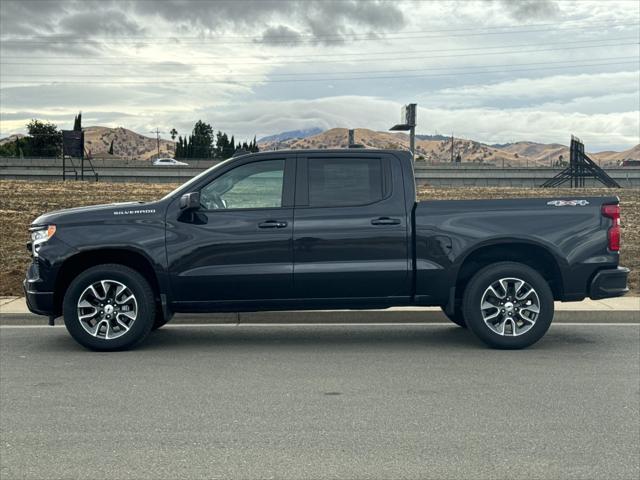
(107,309)
(510,307)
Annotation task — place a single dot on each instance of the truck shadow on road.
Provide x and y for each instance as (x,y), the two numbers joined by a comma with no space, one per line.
(319,337)
(314,337)
(341,339)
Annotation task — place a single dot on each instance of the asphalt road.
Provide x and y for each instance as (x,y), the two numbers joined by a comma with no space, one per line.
(423,401)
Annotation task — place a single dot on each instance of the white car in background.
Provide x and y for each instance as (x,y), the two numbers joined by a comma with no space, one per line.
(168,162)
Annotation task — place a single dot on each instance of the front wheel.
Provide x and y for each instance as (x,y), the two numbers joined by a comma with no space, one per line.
(508,305)
(109,307)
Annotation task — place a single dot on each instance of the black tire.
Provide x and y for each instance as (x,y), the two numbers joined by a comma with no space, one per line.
(456,317)
(160,320)
(487,277)
(145,304)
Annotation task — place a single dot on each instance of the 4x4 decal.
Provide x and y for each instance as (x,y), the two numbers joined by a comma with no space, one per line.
(568,203)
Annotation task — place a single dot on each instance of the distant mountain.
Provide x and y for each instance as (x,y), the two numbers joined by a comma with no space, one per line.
(291,134)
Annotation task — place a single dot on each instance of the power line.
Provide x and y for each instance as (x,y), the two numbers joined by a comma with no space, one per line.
(562,62)
(467,27)
(371,36)
(472,51)
(359,54)
(297,80)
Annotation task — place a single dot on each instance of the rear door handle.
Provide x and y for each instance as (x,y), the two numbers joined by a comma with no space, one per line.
(272,224)
(385,221)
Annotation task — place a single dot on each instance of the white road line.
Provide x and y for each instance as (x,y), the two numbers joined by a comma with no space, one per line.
(417,324)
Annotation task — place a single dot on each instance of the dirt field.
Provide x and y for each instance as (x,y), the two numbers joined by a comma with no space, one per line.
(22,201)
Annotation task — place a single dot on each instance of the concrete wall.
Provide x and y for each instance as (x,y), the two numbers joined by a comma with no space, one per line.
(472,176)
(435,176)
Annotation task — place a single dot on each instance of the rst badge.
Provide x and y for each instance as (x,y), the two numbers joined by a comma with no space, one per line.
(568,203)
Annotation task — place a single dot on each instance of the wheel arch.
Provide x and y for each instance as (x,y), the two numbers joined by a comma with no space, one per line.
(83,260)
(533,254)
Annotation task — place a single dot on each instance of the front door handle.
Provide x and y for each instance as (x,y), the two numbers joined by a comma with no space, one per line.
(385,221)
(272,224)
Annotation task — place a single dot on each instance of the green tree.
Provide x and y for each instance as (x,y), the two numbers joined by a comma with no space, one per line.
(77,122)
(44,139)
(222,145)
(9,149)
(202,140)
(178,153)
(231,148)
(111,148)
(253,146)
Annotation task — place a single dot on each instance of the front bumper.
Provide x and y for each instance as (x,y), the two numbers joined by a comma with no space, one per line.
(38,294)
(40,303)
(611,282)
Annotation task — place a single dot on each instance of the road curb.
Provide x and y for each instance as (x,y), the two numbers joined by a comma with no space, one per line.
(345,317)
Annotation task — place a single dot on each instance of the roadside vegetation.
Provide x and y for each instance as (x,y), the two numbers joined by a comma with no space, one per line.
(22,201)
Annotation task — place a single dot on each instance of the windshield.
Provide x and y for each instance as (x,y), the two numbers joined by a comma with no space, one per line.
(185,186)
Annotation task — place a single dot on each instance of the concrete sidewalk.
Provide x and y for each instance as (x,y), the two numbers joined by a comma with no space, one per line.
(14,311)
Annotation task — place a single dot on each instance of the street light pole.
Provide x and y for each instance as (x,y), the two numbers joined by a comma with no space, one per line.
(408,119)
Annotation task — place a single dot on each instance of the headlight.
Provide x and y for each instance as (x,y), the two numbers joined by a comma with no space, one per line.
(40,235)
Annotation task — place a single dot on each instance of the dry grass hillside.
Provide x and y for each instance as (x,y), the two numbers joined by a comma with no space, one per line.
(439,151)
(126,143)
(22,201)
(631,154)
(434,151)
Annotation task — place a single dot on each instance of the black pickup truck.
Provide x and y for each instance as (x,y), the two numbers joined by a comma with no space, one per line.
(320,229)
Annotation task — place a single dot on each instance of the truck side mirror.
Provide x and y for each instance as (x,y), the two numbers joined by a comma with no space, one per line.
(190,201)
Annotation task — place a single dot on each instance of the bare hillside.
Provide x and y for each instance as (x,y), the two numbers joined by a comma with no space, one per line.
(439,151)
(126,143)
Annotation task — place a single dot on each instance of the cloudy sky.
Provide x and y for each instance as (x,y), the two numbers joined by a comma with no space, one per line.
(491,70)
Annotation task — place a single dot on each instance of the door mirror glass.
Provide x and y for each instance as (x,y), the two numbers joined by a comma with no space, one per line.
(190,201)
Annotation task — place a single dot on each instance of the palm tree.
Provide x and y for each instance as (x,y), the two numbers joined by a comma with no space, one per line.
(173,133)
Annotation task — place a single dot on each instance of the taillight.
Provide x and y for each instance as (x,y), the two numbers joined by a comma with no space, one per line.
(613,212)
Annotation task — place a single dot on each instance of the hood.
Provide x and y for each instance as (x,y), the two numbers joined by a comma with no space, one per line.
(96,212)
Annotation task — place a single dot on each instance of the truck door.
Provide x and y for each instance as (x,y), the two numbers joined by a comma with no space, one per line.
(238,245)
(350,227)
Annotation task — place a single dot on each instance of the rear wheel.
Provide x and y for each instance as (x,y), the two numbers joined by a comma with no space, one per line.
(109,307)
(456,317)
(508,305)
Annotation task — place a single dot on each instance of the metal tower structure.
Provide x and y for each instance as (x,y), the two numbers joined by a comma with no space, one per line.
(580,167)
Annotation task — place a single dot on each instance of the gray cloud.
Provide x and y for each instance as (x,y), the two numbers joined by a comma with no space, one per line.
(324,21)
(280,35)
(110,22)
(530,9)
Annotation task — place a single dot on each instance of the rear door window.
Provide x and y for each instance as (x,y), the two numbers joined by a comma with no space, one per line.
(337,182)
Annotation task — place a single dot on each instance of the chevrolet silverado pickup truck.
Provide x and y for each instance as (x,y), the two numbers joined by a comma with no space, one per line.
(320,229)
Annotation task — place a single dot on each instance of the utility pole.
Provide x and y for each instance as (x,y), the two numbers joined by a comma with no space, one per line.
(157,132)
(451,147)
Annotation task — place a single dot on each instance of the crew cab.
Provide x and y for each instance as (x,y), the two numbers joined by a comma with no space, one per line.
(323,229)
